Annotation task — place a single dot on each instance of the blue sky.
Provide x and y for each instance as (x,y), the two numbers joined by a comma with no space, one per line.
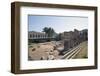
(58,23)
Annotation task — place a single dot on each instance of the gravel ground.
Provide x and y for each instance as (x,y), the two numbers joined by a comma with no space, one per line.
(47,51)
(43,51)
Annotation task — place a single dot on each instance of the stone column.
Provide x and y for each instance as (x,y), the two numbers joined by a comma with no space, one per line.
(66,45)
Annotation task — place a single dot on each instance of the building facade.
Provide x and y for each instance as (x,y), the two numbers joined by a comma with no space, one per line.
(73,38)
(37,35)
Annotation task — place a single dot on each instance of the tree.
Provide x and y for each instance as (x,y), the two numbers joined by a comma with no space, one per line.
(45,29)
(49,31)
